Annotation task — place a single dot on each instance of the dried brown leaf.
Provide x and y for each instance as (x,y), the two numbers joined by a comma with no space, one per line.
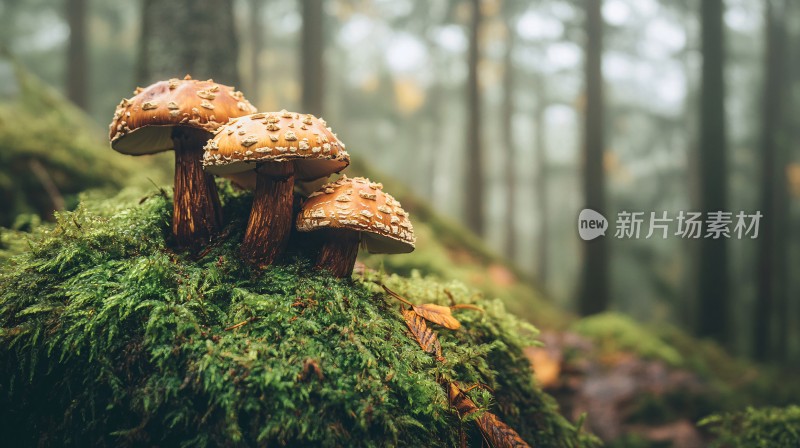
(499,434)
(437,314)
(426,338)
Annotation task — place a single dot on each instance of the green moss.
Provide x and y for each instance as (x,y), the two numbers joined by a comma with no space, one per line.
(107,337)
(614,332)
(757,428)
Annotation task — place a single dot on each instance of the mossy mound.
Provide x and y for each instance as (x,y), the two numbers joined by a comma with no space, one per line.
(109,337)
(614,332)
(766,427)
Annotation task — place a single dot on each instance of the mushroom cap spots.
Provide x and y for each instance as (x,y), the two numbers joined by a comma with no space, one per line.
(238,147)
(143,124)
(359,205)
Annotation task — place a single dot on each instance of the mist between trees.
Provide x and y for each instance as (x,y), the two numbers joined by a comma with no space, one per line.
(511,117)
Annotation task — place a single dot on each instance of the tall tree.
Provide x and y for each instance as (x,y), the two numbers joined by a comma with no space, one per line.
(256,46)
(474,180)
(77,53)
(773,180)
(594,294)
(540,149)
(507,116)
(713,312)
(311,57)
(187,36)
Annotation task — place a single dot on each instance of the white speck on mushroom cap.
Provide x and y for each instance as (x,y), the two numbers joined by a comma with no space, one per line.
(206,94)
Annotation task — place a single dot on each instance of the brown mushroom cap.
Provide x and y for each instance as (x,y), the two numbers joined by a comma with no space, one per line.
(239,146)
(360,205)
(143,124)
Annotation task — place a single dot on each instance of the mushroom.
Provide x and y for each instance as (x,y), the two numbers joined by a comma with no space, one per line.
(180,115)
(350,211)
(274,149)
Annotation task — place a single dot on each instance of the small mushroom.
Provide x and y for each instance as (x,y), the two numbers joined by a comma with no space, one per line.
(351,211)
(180,115)
(269,158)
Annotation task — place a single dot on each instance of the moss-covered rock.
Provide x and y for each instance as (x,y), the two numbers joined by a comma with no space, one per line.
(109,337)
(763,428)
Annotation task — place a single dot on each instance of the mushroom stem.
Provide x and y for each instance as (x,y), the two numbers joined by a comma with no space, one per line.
(338,252)
(197,214)
(270,220)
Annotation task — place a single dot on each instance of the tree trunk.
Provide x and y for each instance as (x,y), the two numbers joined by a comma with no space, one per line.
(311,57)
(77,54)
(773,193)
(713,312)
(508,142)
(540,150)
(256,46)
(474,181)
(187,36)
(594,295)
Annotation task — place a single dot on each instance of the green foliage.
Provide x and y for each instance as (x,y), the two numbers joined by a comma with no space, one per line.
(757,428)
(614,332)
(109,337)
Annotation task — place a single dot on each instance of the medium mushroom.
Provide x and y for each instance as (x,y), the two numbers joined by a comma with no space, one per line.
(274,148)
(180,115)
(352,211)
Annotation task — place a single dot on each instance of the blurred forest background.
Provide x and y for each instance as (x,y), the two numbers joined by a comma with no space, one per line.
(509,117)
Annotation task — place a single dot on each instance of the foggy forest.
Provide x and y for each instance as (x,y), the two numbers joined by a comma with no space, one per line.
(496,124)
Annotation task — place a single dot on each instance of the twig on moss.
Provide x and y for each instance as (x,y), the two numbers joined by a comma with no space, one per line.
(242,323)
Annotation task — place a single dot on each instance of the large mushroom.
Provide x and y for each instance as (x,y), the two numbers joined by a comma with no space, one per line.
(181,115)
(351,211)
(275,149)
